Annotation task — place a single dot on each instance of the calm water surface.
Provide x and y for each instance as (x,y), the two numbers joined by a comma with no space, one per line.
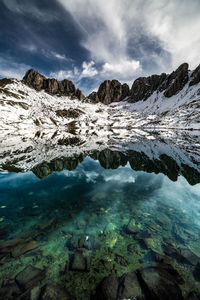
(81,226)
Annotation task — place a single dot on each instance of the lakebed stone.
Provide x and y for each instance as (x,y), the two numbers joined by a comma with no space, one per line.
(29,277)
(159,284)
(54,291)
(79,262)
(181,254)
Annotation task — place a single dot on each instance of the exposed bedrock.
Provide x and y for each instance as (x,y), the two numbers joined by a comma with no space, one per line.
(52,86)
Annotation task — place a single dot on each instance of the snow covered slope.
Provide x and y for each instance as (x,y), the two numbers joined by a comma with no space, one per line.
(23,108)
(181,111)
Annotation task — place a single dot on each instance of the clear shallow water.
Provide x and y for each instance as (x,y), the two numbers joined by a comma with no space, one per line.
(83,225)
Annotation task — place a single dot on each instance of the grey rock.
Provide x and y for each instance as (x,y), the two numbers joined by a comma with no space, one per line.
(88,242)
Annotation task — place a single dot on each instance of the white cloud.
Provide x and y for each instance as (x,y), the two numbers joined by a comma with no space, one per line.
(88,70)
(109,26)
(63,74)
(103,23)
(59,56)
(123,69)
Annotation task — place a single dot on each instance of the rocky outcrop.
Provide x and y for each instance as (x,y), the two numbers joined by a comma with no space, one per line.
(171,84)
(52,86)
(110,91)
(175,81)
(94,97)
(195,77)
(143,87)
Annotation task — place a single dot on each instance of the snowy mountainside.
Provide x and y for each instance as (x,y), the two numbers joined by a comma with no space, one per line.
(181,111)
(22,107)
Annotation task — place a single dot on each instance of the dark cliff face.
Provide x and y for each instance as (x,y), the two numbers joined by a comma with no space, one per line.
(110,91)
(143,87)
(195,77)
(113,91)
(52,86)
(171,84)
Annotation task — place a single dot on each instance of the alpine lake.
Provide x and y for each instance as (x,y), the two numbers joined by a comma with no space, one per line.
(122,222)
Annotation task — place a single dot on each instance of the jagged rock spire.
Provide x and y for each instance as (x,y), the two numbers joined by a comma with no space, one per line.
(52,86)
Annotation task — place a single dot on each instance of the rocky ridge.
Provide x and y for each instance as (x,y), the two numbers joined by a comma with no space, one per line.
(143,87)
(52,86)
(110,91)
(113,91)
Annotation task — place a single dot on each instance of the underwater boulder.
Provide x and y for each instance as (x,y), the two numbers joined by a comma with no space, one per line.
(129,287)
(159,284)
(107,289)
(53,291)
(29,277)
(78,262)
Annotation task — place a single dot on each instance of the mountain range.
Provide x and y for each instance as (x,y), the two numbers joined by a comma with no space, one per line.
(157,101)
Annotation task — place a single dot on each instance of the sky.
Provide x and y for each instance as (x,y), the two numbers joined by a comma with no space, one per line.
(89,41)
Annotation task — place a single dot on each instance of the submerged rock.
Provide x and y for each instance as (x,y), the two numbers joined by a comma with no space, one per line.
(29,277)
(23,248)
(132,227)
(78,262)
(107,289)
(159,284)
(129,287)
(181,254)
(9,290)
(82,241)
(53,291)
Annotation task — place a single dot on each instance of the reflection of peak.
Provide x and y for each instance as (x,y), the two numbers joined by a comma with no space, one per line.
(45,169)
(110,159)
(172,157)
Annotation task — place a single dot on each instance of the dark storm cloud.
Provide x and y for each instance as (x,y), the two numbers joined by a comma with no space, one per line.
(89,41)
(39,34)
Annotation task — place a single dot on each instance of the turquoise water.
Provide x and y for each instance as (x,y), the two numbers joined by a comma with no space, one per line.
(82,225)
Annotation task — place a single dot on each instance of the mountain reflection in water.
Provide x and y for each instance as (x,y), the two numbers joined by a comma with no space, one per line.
(116,222)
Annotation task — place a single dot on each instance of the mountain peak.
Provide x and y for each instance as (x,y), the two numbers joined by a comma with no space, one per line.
(110,91)
(52,86)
